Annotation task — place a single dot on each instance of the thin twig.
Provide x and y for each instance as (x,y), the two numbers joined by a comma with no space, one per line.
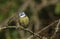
(44,28)
(56,30)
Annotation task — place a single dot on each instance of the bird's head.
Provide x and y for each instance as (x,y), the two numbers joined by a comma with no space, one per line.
(22,14)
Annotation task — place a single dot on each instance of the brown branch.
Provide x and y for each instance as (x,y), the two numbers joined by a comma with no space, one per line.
(44,28)
(56,30)
(19,27)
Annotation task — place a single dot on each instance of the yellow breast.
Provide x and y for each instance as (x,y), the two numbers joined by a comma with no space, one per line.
(24,20)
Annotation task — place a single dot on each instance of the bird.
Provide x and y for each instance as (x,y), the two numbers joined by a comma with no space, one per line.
(23,19)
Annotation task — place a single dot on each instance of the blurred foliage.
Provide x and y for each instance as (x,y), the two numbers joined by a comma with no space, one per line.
(38,1)
(43,13)
(28,12)
(8,8)
(3,1)
(13,23)
(2,34)
(13,8)
(1,17)
(57,9)
(13,34)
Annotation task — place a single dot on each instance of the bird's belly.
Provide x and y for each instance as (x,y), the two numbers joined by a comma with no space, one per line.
(24,21)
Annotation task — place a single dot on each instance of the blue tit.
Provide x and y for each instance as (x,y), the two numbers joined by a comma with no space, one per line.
(23,19)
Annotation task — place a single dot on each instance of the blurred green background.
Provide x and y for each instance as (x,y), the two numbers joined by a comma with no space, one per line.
(9,7)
